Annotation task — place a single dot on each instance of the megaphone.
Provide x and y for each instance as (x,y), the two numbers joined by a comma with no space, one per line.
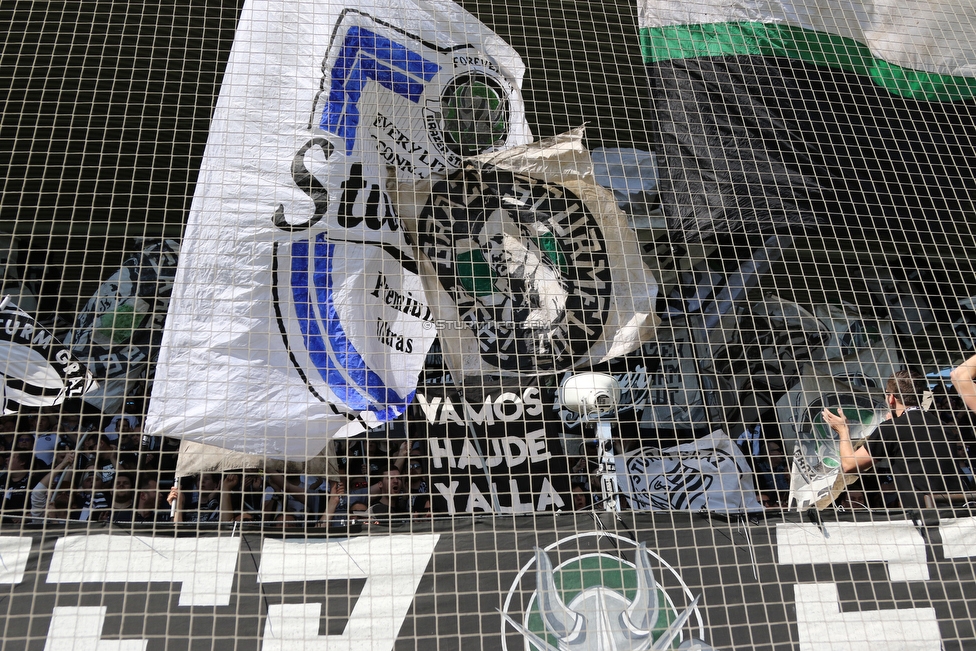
(591,395)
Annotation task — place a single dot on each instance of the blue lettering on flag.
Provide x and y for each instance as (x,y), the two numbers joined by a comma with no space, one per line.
(364,56)
(334,356)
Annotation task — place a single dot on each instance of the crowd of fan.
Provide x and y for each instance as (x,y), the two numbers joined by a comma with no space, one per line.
(61,467)
(368,489)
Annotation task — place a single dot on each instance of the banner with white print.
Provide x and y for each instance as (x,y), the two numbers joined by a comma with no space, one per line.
(715,348)
(825,340)
(496,450)
(673,580)
(37,369)
(297,313)
(709,473)
(663,388)
(861,351)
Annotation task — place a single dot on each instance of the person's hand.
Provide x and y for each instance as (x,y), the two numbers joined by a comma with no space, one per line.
(962,381)
(337,488)
(230,482)
(964,372)
(837,422)
(174,494)
(850,459)
(67,460)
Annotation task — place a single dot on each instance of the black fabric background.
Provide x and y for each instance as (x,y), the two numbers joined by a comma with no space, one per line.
(746,591)
(751,143)
(106,109)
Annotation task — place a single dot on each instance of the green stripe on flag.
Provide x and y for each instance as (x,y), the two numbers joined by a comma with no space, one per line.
(820,48)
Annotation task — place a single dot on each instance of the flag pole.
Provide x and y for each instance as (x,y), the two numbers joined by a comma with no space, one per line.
(607,467)
(78,444)
(594,396)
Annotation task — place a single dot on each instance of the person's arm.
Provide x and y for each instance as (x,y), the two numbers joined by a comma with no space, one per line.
(287,486)
(227,485)
(65,462)
(402,457)
(315,484)
(175,500)
(850,459)
(336,491)
(964,381)
(38,500)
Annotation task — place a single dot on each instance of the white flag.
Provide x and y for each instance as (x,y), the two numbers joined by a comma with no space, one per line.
(297,314)
(37,370)
(710,472)
(816,477)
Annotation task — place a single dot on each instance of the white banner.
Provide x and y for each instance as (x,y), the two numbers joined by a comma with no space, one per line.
(297,314)
(710,473)
(36,369)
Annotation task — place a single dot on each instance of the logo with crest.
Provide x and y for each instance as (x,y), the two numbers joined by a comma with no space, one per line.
(474,113)
(524,262)
(600,592)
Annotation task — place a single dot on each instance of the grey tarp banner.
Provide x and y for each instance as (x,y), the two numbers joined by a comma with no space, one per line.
(475,584)
(708,473)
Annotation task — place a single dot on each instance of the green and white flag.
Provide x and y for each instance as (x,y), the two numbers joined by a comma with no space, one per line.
(816,477)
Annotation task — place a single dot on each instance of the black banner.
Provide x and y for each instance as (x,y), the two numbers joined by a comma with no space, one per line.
(544,582)
(494,451)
